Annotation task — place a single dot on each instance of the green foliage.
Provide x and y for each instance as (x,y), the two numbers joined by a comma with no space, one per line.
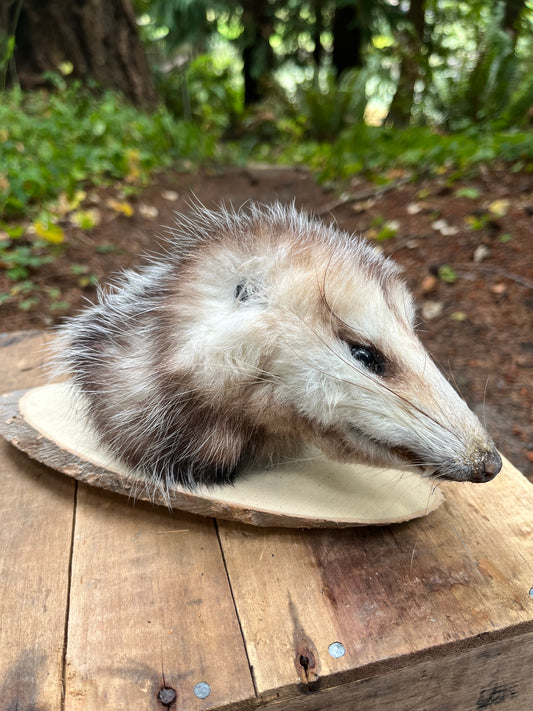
(51,145)
(375,150)
(447,274)
(208,90)
(52,142)
(183,21)
(325,105)
(468,192)
(20,259)
(492,85)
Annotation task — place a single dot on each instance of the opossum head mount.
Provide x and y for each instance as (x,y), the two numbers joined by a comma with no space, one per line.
(260,332)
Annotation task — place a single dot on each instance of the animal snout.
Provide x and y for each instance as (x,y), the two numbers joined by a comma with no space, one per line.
(487,466)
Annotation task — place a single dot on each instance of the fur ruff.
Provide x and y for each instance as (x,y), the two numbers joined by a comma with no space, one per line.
(257,333)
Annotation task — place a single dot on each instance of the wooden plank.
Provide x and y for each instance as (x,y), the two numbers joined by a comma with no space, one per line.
(494,675)
(36,512)
(24,358)
(150,607)
(458,577)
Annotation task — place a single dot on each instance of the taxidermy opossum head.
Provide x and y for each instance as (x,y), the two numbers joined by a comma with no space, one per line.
(261,332)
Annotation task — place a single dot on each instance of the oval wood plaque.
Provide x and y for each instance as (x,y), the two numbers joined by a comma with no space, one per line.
(48,424)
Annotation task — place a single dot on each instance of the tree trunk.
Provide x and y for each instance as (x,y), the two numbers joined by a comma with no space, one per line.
(412,41)
(318,27)
(511,17)
(257,54)
(98,37)
(347,39)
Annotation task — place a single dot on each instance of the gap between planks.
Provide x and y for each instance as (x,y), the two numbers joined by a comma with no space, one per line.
(250,665)
(67,606)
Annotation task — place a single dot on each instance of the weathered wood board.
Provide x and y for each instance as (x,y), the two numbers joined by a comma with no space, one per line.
(150,607)
(492,676)
(104,602)
(387,595)
(36,515)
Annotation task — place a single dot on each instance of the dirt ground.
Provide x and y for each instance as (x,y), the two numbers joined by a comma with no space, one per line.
(466,251)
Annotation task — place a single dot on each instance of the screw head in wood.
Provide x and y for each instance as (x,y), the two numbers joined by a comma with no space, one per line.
(167,695)
(336,650)
(202,690)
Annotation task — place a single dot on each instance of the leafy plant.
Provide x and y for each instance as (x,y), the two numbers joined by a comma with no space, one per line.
(206,90)
(447,274)
(374,150)
(493,87)
(20,259)
(55,142)
(52,146)
(326,105)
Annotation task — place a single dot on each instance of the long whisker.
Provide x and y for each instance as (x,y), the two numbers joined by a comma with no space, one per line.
(402,398)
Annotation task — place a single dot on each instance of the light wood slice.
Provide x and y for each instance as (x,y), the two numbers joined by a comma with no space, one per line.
(48,423)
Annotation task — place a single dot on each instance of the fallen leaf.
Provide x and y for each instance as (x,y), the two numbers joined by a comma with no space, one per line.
(431,309)
(481,252)
(468,192)
(148,211)
(171,195)
(66,204)
(429,283)
(444,228)
(49,232)
(499,208)
(477,222)
(122,207)
(133,160)
(86,219)
(363,205)
(458,316)
(413,208)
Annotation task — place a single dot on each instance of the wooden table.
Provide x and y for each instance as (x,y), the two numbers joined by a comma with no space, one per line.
(110,604)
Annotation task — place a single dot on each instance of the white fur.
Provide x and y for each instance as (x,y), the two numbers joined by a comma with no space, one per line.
(274,360)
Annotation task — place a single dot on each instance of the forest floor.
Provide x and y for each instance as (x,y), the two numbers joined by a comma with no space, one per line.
(466,252)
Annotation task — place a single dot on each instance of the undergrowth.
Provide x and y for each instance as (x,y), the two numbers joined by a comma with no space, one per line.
(56,146)
(376,151)
(54,142)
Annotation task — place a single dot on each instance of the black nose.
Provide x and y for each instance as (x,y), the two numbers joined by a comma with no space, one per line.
(490,465)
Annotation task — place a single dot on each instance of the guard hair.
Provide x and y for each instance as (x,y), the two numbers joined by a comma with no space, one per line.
(259,333)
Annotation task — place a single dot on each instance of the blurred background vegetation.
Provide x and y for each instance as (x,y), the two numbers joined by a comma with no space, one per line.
(110,90)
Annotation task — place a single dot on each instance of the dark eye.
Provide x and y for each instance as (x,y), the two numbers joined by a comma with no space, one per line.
(370,358)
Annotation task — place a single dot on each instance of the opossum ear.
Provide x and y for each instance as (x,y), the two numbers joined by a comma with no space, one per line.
(249,290)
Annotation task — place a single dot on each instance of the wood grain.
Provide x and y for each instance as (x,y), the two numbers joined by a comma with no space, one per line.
(456,579)
(36,514)
(433,614)
(146,601)
(493,676)
(150,607)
